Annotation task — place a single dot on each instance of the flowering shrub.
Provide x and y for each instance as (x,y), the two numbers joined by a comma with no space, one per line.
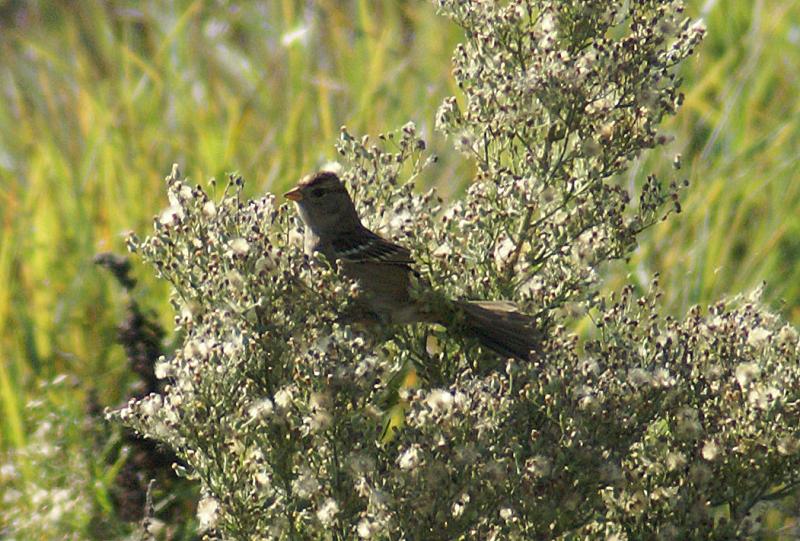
(647,427)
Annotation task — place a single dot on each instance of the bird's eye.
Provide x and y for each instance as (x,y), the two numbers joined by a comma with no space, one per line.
(317,192)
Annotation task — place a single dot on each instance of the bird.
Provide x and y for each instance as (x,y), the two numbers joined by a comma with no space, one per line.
(385,273)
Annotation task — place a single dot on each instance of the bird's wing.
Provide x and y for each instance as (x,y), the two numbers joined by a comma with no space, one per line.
(366,246)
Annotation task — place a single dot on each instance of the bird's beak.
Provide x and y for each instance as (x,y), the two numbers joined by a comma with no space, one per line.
(294,194)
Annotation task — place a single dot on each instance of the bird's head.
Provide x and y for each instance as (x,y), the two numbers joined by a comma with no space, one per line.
(324,204)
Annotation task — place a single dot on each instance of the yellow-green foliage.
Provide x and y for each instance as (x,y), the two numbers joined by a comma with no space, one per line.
(738,133)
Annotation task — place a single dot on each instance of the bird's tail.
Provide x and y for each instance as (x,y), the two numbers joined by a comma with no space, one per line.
(501,327)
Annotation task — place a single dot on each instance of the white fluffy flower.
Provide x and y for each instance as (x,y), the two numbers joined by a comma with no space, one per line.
(261,409)
(162,368)
(710,450)
(539,466)
(209,209)
(746,373)
(151,405)
(327,511)
(367,528)
(506,513)
(440,401)
(758,337)
(283,398)
(239,246)
(675,461)
(171,216)
(410,458)
(788,445)
(639,377)
(788,336)
(763,396)
(319,421)
(443,250)
(305,485)
(207,513)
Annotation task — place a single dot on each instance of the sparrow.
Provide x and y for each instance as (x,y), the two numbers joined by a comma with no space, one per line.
(385,274)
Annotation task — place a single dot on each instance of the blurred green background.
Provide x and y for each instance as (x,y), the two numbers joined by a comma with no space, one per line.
(100,98)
